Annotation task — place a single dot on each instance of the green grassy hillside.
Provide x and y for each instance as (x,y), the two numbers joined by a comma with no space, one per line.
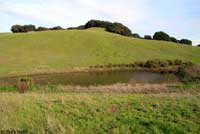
(58,50)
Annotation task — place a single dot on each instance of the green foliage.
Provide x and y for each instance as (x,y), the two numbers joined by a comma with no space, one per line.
(139,64)
(188,86)
(148,37)
(152,64)
(157,63)
(56,28)
(29,28)
(81,27)
(25,28)
(165,63)
(136,35)
(189,73)
(42,29)
(185,41)
(16,28)
(161,36)
(178,62)
(116,27)
(119,29)
(8,88)
(173,39)
(97,23)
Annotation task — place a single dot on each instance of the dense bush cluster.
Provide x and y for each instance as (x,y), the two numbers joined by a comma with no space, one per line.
(148,37)
(97,23)
(165,37)
(115,27)
(185,41)
(156,63)
(42,29)
(31,28)
(119,28)
(173,39)
(135,35)
(123,30)
(161,36)
(25,28)
(165,63)
(189,73)
(198,45)
(56,28)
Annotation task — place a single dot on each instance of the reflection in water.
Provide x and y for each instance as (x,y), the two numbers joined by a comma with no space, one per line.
(97,78)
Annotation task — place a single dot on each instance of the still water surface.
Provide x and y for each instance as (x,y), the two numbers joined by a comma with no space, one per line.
(96,78)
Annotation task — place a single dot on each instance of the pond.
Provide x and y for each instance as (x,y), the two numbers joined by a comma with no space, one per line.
(96,78)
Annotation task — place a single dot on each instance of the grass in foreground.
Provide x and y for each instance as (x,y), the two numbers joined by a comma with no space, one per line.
(60,50)
(100,113)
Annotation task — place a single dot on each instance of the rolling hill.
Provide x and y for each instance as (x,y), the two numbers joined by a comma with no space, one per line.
(65,49)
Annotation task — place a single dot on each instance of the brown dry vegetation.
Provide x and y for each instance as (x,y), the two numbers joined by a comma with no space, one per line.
(125,88)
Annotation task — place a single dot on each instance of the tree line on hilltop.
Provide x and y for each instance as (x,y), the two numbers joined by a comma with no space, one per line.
(115,27)
(31,28)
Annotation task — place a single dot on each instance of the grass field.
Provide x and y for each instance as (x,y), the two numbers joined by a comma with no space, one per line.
(60,50)
(90,113)
(55,111)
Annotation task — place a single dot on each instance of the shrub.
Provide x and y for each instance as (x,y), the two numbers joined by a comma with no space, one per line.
(171,62)
(152,64)
(42,29)
(198,45)
(71,28)
(163,63)
(185,41)
(119,29)
(148,37)
(97,23)
(173,39)
(57,28)
(28,28)
(178,62)
(161,36)
(188,63)
(81,27)
(25,28)
(16,28)
(189,73)
(110,27)
(24,84)
(139,64)
(135,35)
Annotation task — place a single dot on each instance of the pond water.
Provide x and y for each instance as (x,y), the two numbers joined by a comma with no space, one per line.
(96,78)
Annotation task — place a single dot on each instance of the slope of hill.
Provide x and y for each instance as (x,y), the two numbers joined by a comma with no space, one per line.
(58,50)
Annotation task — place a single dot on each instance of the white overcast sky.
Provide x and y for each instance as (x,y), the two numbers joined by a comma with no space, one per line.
(179,18)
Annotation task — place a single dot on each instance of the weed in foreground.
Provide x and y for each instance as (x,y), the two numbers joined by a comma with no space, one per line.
(24,84)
